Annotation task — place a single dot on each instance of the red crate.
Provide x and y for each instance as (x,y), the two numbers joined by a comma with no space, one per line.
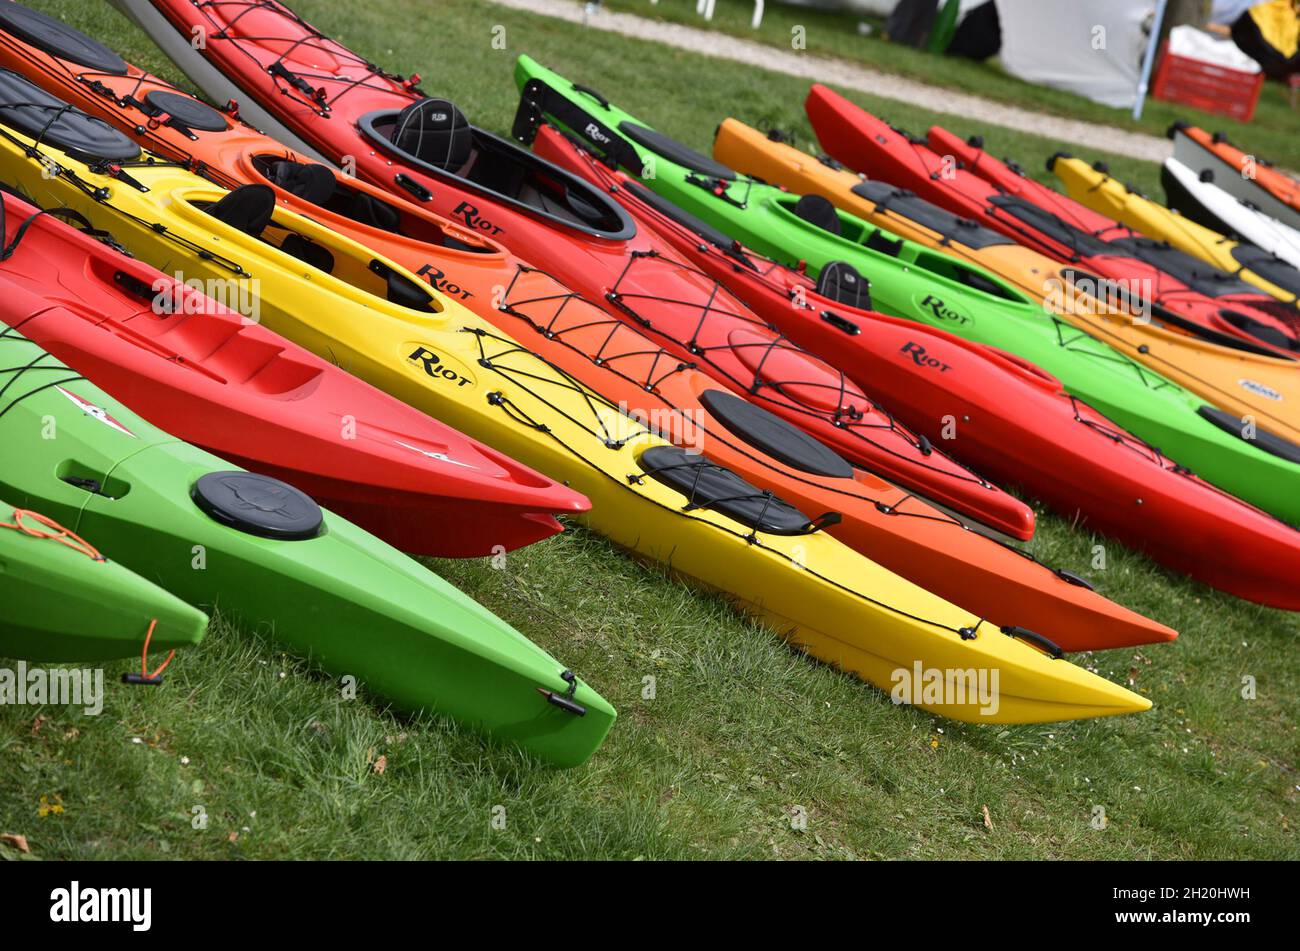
(1194,82)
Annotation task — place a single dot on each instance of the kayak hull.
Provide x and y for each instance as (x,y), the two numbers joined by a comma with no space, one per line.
(67,602)
(1200,197)
(332,593)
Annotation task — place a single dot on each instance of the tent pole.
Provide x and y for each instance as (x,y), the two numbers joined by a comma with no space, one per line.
(1148,61)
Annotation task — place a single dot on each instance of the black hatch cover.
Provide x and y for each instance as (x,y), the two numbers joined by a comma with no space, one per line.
(774,435)
(709,486)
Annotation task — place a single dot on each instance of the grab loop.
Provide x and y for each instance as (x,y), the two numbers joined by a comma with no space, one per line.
(146,678)
(565,700)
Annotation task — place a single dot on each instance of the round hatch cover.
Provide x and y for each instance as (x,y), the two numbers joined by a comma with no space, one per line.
(258,505)
(188,111)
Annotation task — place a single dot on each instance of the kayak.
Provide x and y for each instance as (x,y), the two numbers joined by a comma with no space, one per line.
(1242,378)
(1247,178)
(399,139)
(899,531)
(266,555)
(207,374)
(1016,420)
(961,177)
(907,280)
(64,601)
(1199,197)
(1092,186)
(385,324)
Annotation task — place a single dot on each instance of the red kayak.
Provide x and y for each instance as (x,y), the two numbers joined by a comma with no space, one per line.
(1015,420)
(208,375)
(962,177)
(422,148)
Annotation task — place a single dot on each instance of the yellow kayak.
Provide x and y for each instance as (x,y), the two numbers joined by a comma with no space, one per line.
(342,301)
(1256,384)
(1105,195)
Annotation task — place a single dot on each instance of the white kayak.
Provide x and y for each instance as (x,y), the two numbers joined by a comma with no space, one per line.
(1203,196)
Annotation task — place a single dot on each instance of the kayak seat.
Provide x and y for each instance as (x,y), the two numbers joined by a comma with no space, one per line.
(706,485)
(306,180)
(258,505)
(248,208)
(401,290)
(34,112)
(317,184)
(818,211)
(877,241)
(436,132)
(774,436)
(841,282)
(308,251)
(369,210)
(675,152)
(1270,443)
(59,39)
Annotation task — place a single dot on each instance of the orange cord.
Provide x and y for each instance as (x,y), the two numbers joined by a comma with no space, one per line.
(71,539)
(144,655)
(56,532)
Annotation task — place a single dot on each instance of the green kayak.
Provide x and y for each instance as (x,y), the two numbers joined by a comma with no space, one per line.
(910,281)
(266,555)
(61,600)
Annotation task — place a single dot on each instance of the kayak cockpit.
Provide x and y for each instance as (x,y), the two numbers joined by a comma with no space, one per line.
(252,211)
(323,188)
(817,212)
(434,136)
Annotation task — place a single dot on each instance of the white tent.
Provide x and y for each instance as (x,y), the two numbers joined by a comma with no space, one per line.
(1094,49)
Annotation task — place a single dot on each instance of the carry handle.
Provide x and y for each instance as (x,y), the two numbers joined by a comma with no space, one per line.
(842,324)
(1032,637)
(592,93)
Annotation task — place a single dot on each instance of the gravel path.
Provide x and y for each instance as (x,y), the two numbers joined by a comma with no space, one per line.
(853,76)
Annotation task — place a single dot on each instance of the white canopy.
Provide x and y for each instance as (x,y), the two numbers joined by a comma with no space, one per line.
(1094,49)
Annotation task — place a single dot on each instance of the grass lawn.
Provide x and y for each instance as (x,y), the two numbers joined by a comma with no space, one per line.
(1270,134)
(741,733)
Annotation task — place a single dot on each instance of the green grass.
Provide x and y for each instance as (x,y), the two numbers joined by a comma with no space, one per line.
(1270,134)
(741,731)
